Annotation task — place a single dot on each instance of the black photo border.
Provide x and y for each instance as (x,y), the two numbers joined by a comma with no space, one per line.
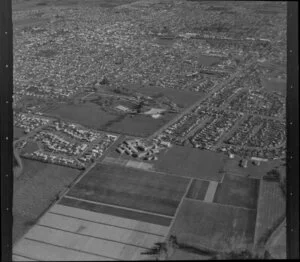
(292,121)
(6,127)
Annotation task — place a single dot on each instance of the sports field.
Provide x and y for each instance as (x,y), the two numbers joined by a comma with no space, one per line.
(132,188)
(87,114)
(191,162)
(238,191)
(207,60)
(214,226)
(139,125)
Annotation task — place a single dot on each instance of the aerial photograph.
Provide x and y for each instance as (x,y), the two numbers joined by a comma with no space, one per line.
(149,130)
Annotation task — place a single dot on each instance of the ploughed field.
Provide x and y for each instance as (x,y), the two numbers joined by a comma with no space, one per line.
(214,226)
(131,188)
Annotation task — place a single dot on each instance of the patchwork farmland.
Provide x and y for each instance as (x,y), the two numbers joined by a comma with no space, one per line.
(111,213)
(126,209)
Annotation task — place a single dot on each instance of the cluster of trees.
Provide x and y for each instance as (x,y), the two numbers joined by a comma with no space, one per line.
(163,251)
(275,175)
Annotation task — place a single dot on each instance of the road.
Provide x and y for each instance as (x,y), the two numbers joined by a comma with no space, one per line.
(18,169)
(218,87)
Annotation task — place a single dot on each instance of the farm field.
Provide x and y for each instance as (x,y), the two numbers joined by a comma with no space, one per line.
(139,125)
(232,166)
(115,211)
(198,189)
(87,114)
(271,208)
(35,189)
(191,162)
(238,191)
(214,226)
(131,188)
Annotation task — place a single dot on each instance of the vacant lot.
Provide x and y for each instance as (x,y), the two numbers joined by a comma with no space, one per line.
(275,85)
(238,191)
(197,189)
(214,226)
(191,162)
(131,188)
(87,114)
(271,208)
(35,189)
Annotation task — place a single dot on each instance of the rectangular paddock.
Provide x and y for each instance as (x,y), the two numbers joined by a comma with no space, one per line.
(110,219)
(87,244)
(131,188)
(97,230)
